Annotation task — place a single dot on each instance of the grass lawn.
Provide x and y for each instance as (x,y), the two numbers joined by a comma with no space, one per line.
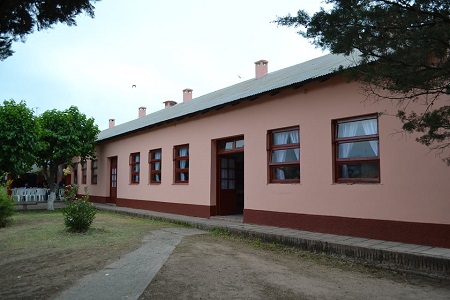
(39,258)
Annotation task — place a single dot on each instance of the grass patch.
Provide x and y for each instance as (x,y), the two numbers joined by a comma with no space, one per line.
(40,257)
(45,229)
(220,232)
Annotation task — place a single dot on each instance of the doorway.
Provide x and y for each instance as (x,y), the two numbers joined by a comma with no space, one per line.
(113,181)
(230,176)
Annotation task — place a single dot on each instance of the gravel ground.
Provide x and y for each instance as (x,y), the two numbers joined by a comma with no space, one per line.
(209,267)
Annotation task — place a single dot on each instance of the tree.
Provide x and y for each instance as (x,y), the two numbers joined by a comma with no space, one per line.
(404,47)
(63,136)
(20,18)
(18,137)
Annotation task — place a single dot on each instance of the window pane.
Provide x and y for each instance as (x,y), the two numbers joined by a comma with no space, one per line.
(157,155)
(231,185)
(182,176)
(224,184)
(231,163)
(239,143)
(224,174)
(183,151)
(288,155)
(228,145)
(358,149)
(358,128)
(359,170)
(135,168)
(156,178)
(288,172)
(285,137)
(183,164)
(224,163)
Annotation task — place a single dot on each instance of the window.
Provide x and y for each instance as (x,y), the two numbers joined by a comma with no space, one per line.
(284,155)
(75,174)
(94,167)
(135,162)
(356,152)
(155,157)
(229,145)
(181,164)
(84,172)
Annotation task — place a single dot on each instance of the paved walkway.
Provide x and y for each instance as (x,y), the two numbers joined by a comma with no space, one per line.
(129,277)
(418,259)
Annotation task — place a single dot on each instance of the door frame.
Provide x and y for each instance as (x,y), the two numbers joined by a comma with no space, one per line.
(223,153)
(112,199)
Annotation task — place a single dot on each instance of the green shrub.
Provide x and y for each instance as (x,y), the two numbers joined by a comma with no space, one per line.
(6,207)
(78,213)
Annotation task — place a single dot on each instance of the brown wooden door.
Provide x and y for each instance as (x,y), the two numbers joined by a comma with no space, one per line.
(227,186)
(113,181)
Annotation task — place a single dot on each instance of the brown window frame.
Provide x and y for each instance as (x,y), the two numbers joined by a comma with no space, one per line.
(134,163)
(361,138)
(84,172)
(271,147)
(75,174)
(152,162)
(94,171)
(176,159)
(234,145)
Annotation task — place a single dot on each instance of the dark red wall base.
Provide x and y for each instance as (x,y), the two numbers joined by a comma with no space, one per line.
(97,199)
(201,211)
(436,235)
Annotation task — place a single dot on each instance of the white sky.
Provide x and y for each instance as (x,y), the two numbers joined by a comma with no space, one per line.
(162,47)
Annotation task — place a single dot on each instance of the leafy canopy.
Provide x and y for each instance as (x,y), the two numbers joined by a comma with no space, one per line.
(47,141)
(18,137)
(20,18)
(410,42)
(64,135)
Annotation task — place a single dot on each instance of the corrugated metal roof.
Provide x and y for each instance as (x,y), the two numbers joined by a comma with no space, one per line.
(279,79)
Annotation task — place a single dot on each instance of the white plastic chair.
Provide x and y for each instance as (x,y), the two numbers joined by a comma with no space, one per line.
(18,194)
(14,194)
(41,194)
(30,194)
(61,192)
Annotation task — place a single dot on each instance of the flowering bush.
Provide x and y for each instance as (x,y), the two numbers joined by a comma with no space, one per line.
(66,171)
(6,204)
(6,207)
(78,213)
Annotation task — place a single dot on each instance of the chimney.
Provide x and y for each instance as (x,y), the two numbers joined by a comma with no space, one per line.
(169,103)
(261,68)
(187,95)
(112,123)
(142,112)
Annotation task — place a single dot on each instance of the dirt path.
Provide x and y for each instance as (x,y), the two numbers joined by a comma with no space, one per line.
(208,267)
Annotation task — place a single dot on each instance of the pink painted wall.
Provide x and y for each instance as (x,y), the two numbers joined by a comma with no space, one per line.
(414,183)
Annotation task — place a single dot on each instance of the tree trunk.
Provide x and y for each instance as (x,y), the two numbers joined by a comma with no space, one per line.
(50,201)
(51,186)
